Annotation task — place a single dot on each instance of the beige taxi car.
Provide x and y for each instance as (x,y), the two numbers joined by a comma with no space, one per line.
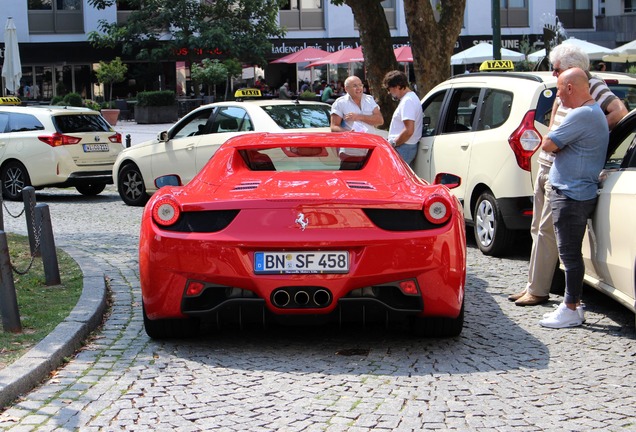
(481,133)
(54,146)
(609,248)
(187,146)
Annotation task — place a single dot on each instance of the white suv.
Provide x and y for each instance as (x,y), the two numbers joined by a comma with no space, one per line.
(55,147)
(481,134)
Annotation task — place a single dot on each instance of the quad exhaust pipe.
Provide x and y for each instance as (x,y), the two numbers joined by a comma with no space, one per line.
(291,297)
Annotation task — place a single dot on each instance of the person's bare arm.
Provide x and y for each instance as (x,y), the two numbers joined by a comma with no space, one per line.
(409,128)
(336,123)
(616,110)
(549,145)
(373,119)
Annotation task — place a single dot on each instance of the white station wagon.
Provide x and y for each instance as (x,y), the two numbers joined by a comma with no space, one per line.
(190,143)
(49,146)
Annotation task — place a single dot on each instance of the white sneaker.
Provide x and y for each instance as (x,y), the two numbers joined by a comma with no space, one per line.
(580,309)
(562,317)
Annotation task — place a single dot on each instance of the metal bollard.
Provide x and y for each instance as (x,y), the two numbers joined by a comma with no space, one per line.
(47,245)
(128,140)
(28,196)
(8,297)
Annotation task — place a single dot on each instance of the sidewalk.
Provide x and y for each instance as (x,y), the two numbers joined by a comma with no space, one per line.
(38,363)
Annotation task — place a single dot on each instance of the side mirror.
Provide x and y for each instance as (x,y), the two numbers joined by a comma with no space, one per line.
(162,136)
(451,181)
(168,180)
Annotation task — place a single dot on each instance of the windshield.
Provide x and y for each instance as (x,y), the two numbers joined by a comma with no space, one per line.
(294,116)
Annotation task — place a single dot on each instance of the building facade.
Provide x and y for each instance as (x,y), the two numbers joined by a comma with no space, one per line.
(56,54)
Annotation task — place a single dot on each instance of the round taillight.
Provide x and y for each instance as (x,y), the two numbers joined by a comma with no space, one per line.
(437,209)
(166,211)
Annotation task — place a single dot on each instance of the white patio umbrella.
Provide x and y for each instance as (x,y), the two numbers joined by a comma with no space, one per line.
(482,52)
(593,51)
(11,68)
(623,53)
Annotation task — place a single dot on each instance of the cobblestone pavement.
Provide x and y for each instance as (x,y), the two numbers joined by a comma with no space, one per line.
(505,373)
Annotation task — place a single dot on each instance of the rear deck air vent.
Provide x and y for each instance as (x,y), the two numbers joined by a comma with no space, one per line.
(247,185)
(360,185)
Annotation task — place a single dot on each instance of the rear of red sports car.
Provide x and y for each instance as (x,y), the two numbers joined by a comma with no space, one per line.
(303,227)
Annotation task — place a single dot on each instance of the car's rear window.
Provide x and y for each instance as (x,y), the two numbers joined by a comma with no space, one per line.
(294,116)
(76,123)
(305,158)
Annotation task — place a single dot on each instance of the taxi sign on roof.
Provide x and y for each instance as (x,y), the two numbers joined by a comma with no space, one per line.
(247,92)
(497,65)
(10,100)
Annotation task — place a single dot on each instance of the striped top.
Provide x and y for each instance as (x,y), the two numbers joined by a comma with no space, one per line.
(601,94)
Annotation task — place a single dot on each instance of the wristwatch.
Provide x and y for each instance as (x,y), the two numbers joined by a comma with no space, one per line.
(392,142)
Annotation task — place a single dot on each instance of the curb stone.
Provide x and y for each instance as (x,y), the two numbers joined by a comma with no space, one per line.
(29,370)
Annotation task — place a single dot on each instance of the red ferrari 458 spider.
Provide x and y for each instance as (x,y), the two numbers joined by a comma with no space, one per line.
(306,226)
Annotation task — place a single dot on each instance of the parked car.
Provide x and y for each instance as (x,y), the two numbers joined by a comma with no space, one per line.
(55,147)
(318,226)
(187,146)
(609,249)
(481,134)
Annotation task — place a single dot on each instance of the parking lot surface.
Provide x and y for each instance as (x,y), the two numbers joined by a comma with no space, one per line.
(504,373)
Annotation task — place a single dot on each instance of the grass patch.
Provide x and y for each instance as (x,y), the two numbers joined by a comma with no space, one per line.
(41,307)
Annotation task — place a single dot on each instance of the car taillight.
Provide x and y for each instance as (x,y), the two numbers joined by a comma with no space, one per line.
(525,140)
(115,138)
(166,211)
(437,209)
(57,139)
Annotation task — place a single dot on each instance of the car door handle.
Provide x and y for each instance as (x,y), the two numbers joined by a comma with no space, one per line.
(464,145)
(190,147)
(424,145)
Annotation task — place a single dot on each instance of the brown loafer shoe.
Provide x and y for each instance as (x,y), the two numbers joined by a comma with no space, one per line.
(515,297)
(531,300)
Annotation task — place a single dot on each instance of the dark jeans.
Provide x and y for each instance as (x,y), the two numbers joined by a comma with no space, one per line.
(570,220)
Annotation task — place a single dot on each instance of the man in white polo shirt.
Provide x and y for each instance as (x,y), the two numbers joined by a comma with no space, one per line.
(355,111)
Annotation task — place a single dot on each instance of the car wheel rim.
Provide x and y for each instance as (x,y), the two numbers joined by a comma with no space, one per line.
(485,223)
(13,182)
(133,185)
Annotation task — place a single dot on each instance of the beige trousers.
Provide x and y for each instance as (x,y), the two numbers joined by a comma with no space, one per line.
(544,255)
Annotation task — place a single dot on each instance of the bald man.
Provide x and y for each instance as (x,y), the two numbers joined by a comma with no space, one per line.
(580,146)
(356,110)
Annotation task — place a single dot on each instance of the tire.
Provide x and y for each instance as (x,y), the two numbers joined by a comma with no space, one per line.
(171,328)
(14,178)
(91,189)
(438,327)
(491,235)
(131,187)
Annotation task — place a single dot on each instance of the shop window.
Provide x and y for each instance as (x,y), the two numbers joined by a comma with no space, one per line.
(56,16)
(514,13)
(302,15)
(630,6)
(575,13)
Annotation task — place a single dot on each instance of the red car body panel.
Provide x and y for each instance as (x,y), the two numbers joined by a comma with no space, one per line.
(335,206)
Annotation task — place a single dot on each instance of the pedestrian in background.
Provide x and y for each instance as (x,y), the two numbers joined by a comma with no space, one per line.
(405,130)
(544,255)
(283,92)
(580,146)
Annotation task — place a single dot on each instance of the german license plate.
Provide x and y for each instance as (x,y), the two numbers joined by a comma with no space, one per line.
(301,262)
(89,148)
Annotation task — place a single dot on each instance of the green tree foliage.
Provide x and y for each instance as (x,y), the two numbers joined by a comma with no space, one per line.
(209,72)
(159,28)
(111,72)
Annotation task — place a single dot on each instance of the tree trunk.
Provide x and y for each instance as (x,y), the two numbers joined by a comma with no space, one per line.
(433,40)
(377,46)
